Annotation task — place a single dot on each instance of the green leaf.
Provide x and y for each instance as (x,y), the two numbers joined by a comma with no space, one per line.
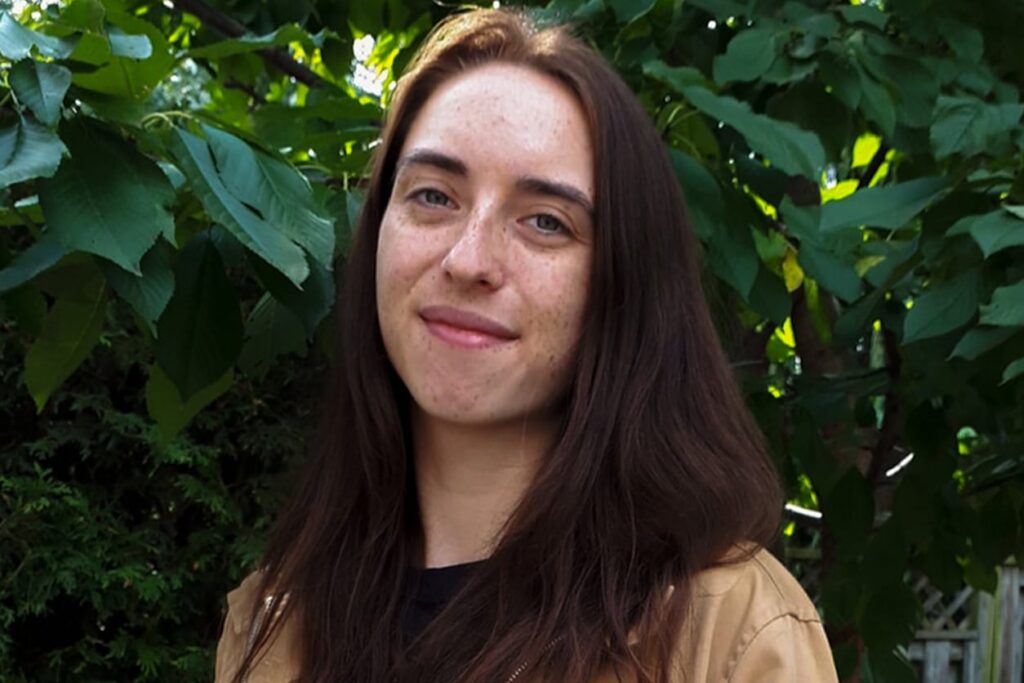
(280,193)
(311,304)
(1006,307)
(627,11)
(864,14)
(992,231)
(107,199)
(703,195)
(677,78)
(70,331)
(890,206)
(123,76)
(290,33)
(749,55)
(816,257)
(43,253)
(17,41)
(942,308)
(271,331)
(966,125)
(877,103)
(131,46)
(40,86)
(26,306)
(149,293)
(850,512)
(1013,370)
(196,161)
(830,271)
(981,340)
(165,406)
(200,332)
(885,664)
(86,15)
(790,148)
(768,296)
(28,150)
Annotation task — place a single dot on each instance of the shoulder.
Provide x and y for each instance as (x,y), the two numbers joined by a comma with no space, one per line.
(750,620)
(245,611)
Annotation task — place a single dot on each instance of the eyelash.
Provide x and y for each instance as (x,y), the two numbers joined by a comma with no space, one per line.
(421,194)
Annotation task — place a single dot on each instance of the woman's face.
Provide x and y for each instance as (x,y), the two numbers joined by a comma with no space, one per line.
(485,246)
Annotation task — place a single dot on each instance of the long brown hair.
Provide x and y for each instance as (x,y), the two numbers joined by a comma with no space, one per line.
(658,470)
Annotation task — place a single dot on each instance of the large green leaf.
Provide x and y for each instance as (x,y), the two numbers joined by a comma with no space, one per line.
(149,292)
(992,231)
(942,308)
(271,331)
(311,304)
(290,33)
(107,199)
(17,41)
(28,150)
(1013,370)
(891,206)
(789,147)
(966,125)
(980,340)
(749,55)
(281,194)
(200,331)
(676,77)
(70,331)
(127,45)
(1006,307)
(831,268)
(40,86)
(165,406)
(703,195)
(43,253)
(195,159)
(631,10)
(876,102)
(120,69)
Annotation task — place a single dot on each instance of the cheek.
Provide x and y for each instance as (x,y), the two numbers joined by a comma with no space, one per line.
(561,301)
(399,258)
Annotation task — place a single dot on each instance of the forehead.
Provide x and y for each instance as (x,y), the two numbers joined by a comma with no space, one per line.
(502,118)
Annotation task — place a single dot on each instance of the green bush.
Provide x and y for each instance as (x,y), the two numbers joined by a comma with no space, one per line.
(177,179)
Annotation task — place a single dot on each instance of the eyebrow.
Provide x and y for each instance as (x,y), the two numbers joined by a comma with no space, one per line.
(532,184)
(562,190)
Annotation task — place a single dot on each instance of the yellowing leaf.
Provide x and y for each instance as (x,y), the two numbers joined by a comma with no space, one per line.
(792,273)
(839,191)
(864,149)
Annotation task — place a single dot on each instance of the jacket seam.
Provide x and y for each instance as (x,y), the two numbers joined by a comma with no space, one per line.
(744,646)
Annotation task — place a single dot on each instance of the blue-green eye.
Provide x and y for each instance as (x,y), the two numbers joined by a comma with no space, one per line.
(432,197)
(547,223)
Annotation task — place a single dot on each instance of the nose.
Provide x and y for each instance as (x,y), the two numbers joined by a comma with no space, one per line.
(475,257)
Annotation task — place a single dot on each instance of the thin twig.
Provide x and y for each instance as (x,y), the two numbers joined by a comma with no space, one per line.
(231,28)
(876,163)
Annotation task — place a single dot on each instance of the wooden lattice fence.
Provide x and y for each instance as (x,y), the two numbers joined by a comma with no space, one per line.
(965,637)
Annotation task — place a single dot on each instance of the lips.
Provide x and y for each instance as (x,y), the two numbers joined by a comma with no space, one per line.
(464,328)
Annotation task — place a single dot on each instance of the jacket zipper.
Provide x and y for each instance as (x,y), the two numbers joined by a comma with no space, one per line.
(526,663)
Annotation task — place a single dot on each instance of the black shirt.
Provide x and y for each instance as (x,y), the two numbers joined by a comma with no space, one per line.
(427,593)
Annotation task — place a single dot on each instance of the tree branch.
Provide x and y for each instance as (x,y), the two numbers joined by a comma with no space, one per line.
(890,418)
(872,170)
(231,28)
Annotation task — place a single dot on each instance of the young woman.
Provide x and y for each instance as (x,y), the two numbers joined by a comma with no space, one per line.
(534,463)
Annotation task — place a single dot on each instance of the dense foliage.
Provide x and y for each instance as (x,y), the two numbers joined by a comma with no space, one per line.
(178,179)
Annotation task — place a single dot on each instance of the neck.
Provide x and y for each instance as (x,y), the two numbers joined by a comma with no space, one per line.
(469,480)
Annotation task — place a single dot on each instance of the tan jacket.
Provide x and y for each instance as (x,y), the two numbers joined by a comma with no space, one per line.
(752,623)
